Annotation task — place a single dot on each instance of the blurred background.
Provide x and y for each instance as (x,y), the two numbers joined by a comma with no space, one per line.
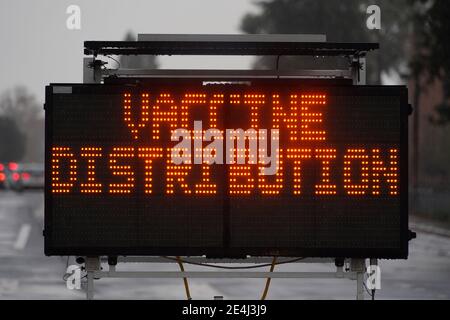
(38,48)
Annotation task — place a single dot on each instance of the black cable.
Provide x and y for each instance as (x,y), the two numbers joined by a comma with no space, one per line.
(185,281)
(234,268)
(65,275)
(371,294)
(266,288)
(277,66)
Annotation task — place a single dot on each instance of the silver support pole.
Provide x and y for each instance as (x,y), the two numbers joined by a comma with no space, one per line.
(358,266)
(91,74)
(358,71)
(360,286)
(90,286)
(92,266)
(197,259)
(222,274)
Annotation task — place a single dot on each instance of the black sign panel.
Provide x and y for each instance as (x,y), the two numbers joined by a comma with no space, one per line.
(114,186)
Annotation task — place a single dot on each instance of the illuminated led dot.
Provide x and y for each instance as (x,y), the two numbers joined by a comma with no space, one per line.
(356,157)
(122,170)
(91,153)
(308,118)
(164,111)
(325,187)
(385,169)
(277,185)
(59,154)
(298,156)
(240,180)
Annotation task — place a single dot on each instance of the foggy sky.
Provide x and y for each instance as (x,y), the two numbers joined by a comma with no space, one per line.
(37,48)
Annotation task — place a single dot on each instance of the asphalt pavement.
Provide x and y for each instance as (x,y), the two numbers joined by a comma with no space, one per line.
(25,273)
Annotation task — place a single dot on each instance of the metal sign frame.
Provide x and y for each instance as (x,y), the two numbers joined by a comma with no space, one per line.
(277,45)
(388,250)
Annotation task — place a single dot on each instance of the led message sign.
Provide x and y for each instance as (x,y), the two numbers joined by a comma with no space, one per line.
(263,167)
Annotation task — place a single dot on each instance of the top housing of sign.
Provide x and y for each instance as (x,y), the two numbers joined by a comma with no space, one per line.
(277,45)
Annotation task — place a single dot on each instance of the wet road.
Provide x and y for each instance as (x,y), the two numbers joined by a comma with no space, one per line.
(25,273)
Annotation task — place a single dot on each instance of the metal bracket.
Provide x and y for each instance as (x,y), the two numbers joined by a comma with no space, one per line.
(235,44)
(358,69)
(94,271)
(92,266)
(92,70)
(358,267)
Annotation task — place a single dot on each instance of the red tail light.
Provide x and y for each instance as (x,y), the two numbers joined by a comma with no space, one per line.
(26,176)
(16,176)
(2,167)
(2,177)
(13,166)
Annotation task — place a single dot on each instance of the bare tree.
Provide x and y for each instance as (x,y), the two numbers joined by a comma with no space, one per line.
(21,107)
